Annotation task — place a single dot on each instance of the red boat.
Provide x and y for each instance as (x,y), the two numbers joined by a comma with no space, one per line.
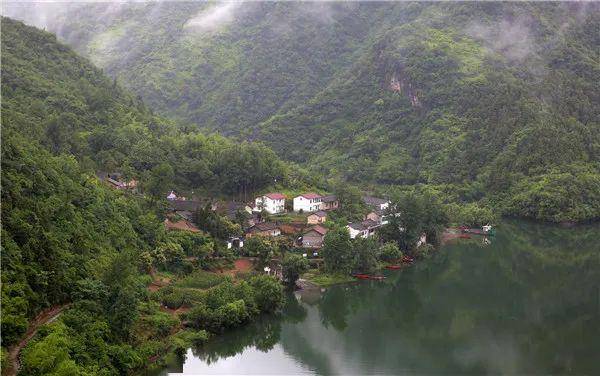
(464,236)
(393,267)
(361,276)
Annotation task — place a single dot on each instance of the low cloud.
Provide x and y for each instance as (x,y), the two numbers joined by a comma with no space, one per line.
(213,17)
(511,39)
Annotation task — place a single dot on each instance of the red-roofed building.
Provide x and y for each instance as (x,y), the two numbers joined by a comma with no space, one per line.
(276,196)
(307,202)
(273,203)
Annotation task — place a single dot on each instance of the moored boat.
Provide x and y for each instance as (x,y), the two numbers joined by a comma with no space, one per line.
(484,230)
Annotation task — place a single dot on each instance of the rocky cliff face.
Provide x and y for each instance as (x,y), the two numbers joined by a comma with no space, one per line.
(398,84)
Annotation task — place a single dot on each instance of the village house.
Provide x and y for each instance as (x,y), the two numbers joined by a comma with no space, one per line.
(273,203)
(376,203)
(362,229)
(307,202)
(264,229)
(181,225)
(329,202)
(187,208)
(313,237)
(230,209)
(292,228)
(115,180)
(316,217)
(377,216)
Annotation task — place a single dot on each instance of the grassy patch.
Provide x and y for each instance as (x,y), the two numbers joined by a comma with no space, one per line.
(175,297)
(325,279)
(201,280)
(290,217)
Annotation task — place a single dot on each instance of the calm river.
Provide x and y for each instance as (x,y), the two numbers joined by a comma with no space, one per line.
(527,303)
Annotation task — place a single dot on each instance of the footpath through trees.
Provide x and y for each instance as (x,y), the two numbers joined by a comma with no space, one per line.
(44,317)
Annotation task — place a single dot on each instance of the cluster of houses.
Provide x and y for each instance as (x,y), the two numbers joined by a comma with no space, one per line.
(373,220)
(311,229)
(313,204)
(317,207)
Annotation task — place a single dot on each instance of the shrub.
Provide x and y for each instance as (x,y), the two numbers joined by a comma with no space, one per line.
(425,251)
(188,338)
(202,280)
(390,252)
(232,314)
(160,323)
(268,293)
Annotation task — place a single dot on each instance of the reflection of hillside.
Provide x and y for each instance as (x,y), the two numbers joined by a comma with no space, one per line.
(510,307)
(527,303)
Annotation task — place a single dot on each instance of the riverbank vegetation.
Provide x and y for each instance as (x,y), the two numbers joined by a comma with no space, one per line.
(414,225)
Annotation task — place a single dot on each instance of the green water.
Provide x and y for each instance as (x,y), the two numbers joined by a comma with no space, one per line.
(528,303)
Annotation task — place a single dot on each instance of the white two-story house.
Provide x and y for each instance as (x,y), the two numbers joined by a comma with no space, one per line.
(308,202)
(273,203)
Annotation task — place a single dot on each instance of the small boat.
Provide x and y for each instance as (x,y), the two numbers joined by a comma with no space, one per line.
(377,277)
(485,230)
(464,236)
(407,259)
(361,276)
(393,267)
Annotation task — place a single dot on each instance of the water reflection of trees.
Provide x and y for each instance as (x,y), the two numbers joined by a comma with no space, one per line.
(527,303)
(528,294)
(263,334)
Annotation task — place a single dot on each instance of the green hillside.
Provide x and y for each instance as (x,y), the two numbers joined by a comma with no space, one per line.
(68,239)
(481,100)
(62,101)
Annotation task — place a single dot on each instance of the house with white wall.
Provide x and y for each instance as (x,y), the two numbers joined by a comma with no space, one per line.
(362,229)
(376,203)
(273,203)
(307,202)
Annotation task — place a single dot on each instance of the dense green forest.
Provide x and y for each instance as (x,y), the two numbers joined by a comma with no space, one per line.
(483,101)
(68,239)
(64,103)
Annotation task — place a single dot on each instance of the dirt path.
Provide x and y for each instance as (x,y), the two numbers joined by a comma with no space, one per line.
(239,265)
(44,317)
(157,281)
(450,234)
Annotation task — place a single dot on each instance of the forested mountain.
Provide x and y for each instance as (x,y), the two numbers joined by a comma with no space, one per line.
(481,100)
(69,239)
(62,101)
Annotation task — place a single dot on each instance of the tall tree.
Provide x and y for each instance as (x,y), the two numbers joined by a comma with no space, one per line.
(337,251)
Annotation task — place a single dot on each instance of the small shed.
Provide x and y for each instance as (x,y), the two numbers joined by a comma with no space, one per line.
(316,217)
(313,238)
